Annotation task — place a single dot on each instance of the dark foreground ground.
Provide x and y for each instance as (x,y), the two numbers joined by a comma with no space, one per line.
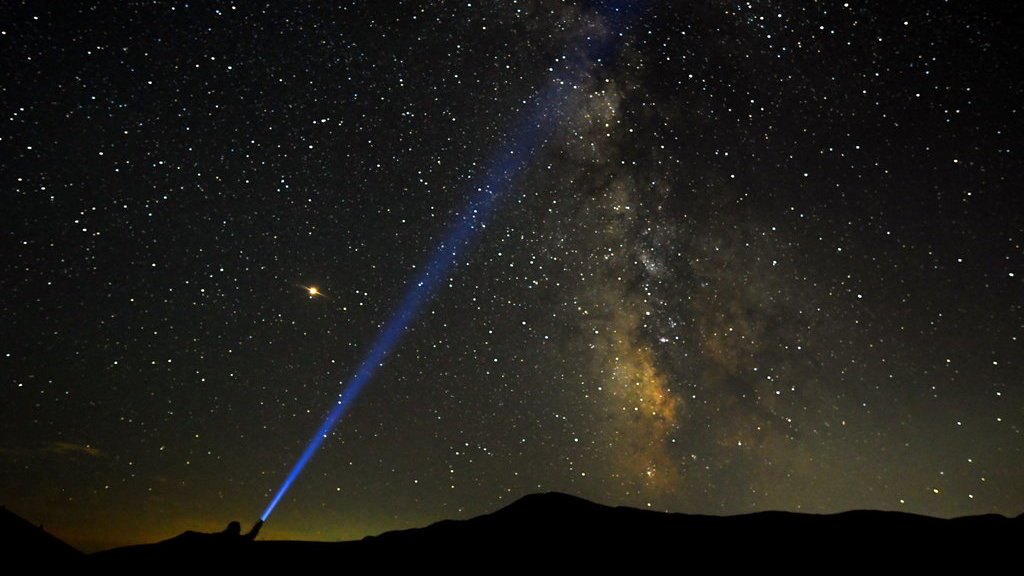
(545,531)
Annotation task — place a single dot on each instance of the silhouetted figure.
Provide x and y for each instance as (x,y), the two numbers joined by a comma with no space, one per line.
(233,533)
(255,530)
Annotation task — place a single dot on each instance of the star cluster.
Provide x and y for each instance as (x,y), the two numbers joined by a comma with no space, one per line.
(767,257)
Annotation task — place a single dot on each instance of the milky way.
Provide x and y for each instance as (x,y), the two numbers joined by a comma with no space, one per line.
(765,255)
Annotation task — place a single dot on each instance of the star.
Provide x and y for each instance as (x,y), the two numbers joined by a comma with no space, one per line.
(664,276)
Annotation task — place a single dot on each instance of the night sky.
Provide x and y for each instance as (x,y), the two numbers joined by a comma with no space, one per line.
(760,255)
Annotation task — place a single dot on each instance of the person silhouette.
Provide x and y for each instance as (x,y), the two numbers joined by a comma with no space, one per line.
(251,535)
(233,533)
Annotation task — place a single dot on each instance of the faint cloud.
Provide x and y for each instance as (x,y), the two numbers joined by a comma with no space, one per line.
(54,449)
(72,449)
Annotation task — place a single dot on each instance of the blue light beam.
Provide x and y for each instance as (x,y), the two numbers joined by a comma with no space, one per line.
(538,122)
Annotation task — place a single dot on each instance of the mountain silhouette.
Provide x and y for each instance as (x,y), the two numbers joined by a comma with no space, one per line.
(22,540)
(556,530)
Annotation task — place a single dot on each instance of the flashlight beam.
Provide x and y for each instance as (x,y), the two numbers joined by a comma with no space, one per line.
(530,136)
(538,122)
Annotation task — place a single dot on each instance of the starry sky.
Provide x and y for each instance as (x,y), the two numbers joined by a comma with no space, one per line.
(760,255)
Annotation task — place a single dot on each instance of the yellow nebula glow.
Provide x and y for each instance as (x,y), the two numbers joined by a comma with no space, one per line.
(313,291)
(647,417)
(645,410)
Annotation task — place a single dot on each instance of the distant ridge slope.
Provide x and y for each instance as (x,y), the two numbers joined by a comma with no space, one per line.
(564,530)
(558,524)
(20,540)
